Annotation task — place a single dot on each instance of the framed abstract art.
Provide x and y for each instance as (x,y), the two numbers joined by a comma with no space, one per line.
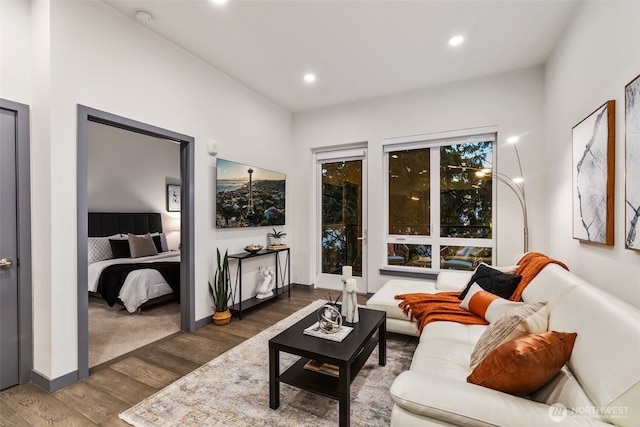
(632,167)
(593,141)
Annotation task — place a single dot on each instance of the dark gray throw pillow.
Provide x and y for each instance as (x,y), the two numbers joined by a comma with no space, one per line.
(494,281)
(158,242)
(120,248)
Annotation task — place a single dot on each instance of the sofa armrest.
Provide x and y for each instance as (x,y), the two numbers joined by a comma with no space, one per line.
(462,403)
(453,280)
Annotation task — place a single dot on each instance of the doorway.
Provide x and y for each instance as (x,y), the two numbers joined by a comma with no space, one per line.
(15,246)
(187,305)
(341,217)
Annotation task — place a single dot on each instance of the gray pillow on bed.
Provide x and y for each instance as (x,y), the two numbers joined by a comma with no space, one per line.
(142,246)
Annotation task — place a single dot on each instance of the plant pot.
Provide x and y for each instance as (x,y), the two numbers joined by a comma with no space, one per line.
(276,240)
(222,317)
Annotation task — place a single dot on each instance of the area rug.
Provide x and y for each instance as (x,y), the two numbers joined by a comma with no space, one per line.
(233,389)
(113,331)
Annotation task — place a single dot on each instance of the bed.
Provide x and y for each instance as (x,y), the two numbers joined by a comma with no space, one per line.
(123,267)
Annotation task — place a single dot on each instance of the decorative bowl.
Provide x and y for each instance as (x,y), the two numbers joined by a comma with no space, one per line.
(253,248)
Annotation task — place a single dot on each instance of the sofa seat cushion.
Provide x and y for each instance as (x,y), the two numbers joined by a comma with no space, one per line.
(453,331)
(565,389)
(430,397)
(442,357)
(384,299)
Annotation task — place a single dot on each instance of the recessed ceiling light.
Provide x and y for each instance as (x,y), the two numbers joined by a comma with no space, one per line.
(513,139)
(144,17)
(219,1)
(456,40)
(309,77)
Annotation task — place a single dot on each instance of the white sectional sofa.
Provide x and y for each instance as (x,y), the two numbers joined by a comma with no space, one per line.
(600,385)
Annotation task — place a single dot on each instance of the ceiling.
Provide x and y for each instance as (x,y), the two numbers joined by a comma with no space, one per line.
(357,48)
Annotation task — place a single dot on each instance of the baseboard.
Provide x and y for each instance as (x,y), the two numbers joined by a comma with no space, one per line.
(204,322)
(51,385)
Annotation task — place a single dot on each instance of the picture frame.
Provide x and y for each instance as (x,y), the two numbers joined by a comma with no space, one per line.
(632,165)
(173,198)
(593,167)
(249,196)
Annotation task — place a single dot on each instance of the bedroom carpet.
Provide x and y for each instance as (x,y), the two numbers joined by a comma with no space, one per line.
(233,389)
(114,332)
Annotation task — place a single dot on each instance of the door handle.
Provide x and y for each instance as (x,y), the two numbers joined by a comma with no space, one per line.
(5,264)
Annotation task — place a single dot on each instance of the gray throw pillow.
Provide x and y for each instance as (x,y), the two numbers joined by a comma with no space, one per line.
(529,318)
(142,246)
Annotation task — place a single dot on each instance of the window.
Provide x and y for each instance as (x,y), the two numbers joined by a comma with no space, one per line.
(440,198)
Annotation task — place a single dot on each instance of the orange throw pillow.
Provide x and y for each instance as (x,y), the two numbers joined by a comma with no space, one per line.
(486,305)
(523,365)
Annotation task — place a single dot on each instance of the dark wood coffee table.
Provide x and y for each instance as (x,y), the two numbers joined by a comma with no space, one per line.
(349,356)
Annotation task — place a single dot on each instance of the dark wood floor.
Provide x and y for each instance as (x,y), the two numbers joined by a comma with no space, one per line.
(119,384)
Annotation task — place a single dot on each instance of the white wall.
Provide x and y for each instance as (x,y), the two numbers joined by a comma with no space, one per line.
(129,172)
(15,50)
(512,101)
(87,53)
(596,57)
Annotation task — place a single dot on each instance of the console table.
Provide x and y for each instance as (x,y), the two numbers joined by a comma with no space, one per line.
(279,288)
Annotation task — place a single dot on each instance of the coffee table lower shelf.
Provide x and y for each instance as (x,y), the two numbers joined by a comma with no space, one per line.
(324,384)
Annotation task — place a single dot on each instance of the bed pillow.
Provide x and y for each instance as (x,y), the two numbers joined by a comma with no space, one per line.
(494,281)
(141,246)
(523,365)
(120,248)
(157,241)
(163,241)
(98,249)
(528,319)
(487,305)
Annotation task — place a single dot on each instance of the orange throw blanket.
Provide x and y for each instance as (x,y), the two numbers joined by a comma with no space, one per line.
(427,308)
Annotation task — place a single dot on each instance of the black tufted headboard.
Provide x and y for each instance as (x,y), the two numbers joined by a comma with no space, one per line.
(103,224)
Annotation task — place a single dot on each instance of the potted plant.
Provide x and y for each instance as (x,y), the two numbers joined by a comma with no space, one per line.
(275,237)
(221,291)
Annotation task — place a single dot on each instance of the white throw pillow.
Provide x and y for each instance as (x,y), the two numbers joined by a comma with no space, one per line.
(98,249)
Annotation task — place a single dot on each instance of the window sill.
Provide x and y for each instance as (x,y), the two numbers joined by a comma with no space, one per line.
(429,275)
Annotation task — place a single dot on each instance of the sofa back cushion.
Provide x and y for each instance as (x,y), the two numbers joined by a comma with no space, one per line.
(606,353)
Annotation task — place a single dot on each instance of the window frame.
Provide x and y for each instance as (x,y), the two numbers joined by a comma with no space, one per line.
(433,142)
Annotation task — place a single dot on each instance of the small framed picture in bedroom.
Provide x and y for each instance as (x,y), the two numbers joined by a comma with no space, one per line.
(173,198)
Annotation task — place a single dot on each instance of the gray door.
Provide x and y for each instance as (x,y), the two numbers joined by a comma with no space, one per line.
(9,350)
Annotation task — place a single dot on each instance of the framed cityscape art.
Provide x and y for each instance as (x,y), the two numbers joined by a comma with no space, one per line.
(593,165)
(632,167)
(247,196)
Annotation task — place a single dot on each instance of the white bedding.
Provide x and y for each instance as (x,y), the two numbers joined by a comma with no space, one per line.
(140,285)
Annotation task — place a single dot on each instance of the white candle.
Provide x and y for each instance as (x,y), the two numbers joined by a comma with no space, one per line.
(346,272)
(350,286)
